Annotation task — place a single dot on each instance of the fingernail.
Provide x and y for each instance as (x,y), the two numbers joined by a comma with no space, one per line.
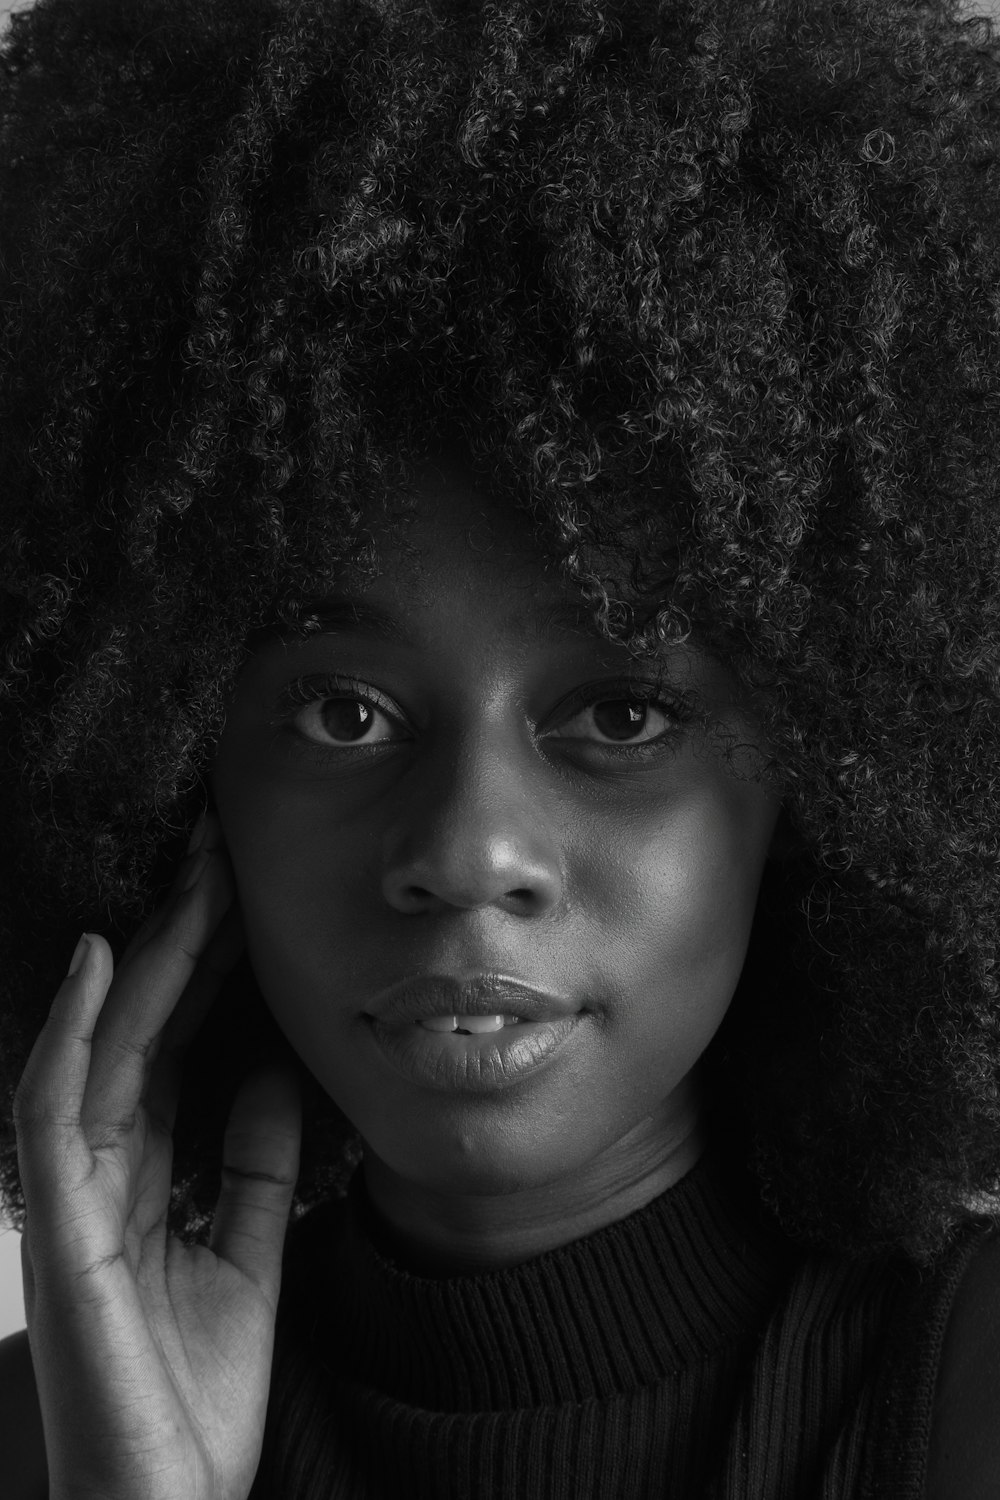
(198,831)
(79,954)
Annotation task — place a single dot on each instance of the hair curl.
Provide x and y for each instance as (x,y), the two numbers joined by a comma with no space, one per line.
(707,286)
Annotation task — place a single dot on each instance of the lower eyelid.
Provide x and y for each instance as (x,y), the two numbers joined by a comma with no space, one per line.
(290,718)
(668,712)
(305,694)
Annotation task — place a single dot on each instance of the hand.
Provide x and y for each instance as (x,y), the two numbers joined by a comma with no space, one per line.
(152,1359)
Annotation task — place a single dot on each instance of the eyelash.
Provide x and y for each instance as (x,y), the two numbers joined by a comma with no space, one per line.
(306,690)
(652,695)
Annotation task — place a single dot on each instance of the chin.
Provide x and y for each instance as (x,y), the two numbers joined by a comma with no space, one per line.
(471,1163)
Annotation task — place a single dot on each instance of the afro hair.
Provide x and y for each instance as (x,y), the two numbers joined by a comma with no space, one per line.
(711,290)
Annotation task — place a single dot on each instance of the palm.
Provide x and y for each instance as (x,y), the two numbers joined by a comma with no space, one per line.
(208,1320)
(167,1347)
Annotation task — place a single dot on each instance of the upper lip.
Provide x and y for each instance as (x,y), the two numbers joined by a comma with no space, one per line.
(479,995)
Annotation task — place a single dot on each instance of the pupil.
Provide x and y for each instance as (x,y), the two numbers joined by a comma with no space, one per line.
(346,718)
(620,718)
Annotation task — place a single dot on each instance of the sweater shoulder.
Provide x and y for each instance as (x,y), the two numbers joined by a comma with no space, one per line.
(22,1442)
(964,1453)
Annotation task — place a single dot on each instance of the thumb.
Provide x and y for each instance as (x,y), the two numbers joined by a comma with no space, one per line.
(260,1166)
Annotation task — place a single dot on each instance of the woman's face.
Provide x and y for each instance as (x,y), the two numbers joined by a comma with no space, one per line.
(457,799)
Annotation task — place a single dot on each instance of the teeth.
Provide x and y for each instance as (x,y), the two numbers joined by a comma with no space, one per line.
(474,1024)
(439,1023)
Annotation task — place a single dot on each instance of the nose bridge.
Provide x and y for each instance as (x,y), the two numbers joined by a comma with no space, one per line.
(472,830)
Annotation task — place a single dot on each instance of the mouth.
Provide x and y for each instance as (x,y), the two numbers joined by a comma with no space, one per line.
(471,1035)
(470,1024)
(479,1004)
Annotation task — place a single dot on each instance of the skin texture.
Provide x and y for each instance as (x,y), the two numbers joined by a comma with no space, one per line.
(152,1359)
(487,824)
(253,253)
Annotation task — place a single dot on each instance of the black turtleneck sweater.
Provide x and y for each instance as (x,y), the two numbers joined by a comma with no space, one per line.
(687,1351)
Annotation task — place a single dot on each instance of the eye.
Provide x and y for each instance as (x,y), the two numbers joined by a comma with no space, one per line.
(339,717)
(631,720)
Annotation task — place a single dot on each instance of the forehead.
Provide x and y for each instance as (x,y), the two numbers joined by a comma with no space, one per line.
(452,541)
(465,593)
(462,575)
(463,578)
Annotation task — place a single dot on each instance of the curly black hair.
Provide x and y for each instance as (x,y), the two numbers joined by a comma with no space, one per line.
(709,288)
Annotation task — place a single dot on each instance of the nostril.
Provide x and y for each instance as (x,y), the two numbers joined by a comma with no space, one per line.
(418,894)
(421,898)
(522,901)
(478,874)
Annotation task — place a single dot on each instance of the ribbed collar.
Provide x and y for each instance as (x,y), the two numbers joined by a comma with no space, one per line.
(694,1270)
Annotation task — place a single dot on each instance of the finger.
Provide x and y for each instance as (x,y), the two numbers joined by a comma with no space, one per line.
(27,1277)
(215,962)
(218,959)
(206,834)
(260,1167)
(52,1085)
(143,997)
(167,1053)
(49,1096)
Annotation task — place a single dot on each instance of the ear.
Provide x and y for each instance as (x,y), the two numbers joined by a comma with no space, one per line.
(786,842)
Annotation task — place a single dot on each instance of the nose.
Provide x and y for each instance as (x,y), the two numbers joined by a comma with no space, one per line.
(472,832)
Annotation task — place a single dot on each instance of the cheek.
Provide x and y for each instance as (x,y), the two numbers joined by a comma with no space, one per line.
(679,898)
(291,885)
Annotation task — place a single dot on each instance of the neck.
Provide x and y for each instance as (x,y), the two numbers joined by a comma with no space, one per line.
(436,1233)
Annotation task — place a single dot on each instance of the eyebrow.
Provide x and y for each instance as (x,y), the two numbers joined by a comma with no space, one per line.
(346,614)
(343,615)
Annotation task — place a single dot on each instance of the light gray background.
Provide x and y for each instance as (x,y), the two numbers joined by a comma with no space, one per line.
(11,1302)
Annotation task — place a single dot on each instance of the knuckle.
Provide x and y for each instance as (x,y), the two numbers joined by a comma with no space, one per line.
(159,1122)
(235,1176)
(131,1049)
(187,950)
(182,940)
(106,1136)
(92,1270)
(31,1112)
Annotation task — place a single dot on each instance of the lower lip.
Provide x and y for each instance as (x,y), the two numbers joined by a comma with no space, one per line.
(471,1064)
